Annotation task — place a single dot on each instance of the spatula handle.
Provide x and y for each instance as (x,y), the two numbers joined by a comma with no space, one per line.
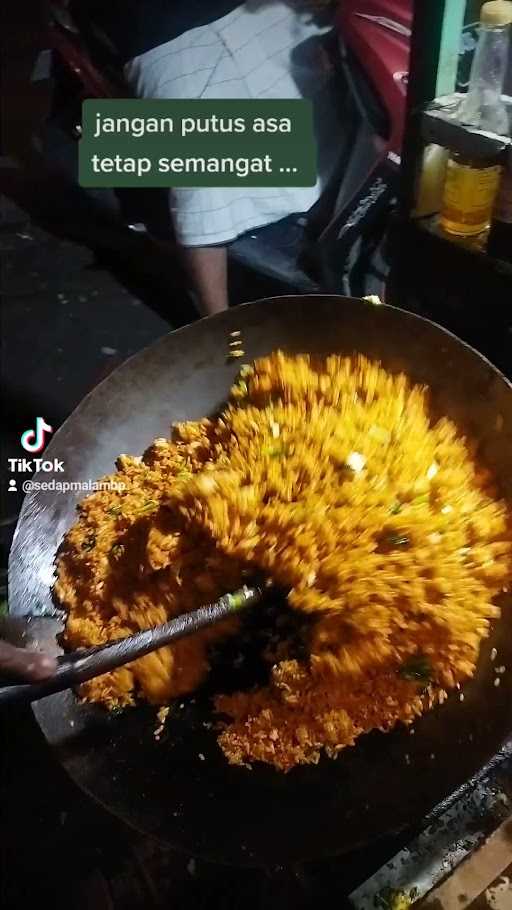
(79,666)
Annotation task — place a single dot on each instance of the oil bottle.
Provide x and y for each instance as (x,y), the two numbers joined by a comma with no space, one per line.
(474,170)
(470,189)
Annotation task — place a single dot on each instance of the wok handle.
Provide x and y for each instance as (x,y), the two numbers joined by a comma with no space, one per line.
(80,666)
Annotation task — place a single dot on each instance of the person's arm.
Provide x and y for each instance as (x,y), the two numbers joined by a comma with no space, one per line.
(24,664)
(208,270)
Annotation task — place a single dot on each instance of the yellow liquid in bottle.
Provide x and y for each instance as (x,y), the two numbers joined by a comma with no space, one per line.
(469,195)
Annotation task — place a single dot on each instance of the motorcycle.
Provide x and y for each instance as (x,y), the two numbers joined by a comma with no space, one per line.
(339,246)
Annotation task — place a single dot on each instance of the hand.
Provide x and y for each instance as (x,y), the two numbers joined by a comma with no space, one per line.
(31,666)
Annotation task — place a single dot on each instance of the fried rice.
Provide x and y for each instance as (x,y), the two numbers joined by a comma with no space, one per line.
(330,477)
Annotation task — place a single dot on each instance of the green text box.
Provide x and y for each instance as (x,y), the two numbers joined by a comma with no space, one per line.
(200,143)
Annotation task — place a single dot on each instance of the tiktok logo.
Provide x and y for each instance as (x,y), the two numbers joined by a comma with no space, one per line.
(33,440)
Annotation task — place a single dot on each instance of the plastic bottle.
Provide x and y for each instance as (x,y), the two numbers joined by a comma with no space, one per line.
(483,106)
(470,191)
(472,175)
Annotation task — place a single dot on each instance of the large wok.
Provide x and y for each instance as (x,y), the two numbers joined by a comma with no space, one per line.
(181,789)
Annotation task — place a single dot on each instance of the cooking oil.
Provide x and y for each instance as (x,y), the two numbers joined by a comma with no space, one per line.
(472,177)
(470,191)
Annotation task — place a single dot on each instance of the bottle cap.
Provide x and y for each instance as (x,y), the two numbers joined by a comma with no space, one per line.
(496,12)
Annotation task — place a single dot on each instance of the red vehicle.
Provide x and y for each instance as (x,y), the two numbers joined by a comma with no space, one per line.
(338,247)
